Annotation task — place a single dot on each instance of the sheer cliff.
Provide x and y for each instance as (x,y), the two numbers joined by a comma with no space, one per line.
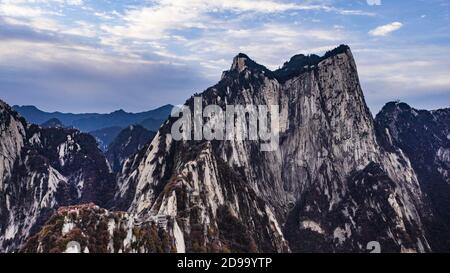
(329,186)
(42,169)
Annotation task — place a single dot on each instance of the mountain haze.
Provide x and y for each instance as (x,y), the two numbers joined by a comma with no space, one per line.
(92,121)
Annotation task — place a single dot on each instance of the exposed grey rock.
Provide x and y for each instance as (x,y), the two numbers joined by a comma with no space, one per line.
(127,143)
(42,169)
(328,149)
(424,136)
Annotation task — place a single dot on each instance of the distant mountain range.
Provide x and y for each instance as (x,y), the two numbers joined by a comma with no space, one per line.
(93,121)
(52,123)
(105,127)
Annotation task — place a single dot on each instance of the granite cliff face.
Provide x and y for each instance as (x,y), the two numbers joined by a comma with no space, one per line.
(42,169)
(424,136)
(329,186)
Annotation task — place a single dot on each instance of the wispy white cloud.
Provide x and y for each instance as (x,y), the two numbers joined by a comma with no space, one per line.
(374,2)
(411,75)
(36,14)
(155,21)
(386,29)
(205,31)
(269,44)
(14,10)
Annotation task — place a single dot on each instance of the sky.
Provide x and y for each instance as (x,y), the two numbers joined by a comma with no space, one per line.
(101,55)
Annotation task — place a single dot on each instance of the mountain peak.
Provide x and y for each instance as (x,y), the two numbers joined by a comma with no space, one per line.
(28,107)
(120,111)
(243,62)
(240,62)
(395,106)
(338,50)
(242,55)
(301,63)
(166,106)
(296,65)
(3,104)
(52,123)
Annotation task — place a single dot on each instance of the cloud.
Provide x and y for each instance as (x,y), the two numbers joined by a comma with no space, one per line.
(374,2)
(211,32)
(156,21)
(29,14)
(67,77)
(386,29)
(13,10)
(270,44)
(418,76)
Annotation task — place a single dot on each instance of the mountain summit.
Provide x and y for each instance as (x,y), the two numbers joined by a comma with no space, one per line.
(330,186)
